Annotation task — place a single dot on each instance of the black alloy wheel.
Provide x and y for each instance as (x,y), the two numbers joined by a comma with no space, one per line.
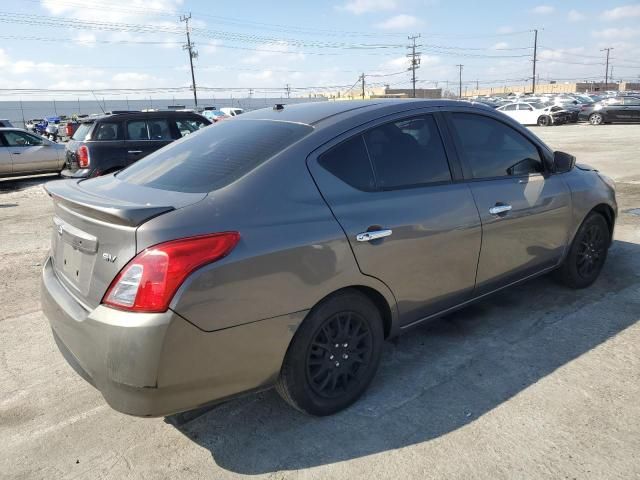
(587,253)
(544,121)
(339,355)
(334,354)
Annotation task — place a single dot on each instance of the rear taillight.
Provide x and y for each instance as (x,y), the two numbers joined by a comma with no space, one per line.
(83,156)
(69,130)
(149,281)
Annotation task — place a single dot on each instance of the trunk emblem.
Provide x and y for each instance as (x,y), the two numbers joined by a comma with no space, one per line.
(107,257)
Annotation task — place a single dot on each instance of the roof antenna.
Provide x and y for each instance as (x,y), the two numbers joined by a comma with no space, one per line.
(99,104)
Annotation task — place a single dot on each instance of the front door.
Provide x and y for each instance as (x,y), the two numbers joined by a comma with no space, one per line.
(525,211)
(30,153)
(5,157)
(409,225)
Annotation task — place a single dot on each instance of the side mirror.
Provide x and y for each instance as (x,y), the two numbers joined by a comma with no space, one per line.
(563,162)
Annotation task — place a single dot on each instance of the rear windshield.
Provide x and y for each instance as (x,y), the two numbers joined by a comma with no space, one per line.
(82,131)
(214,156)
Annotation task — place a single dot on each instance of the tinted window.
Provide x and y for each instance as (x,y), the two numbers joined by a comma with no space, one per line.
(350,163)
(21,139)
(82,131)
(632,101)
(189,125)
(492,149)
(407,153)
(107,131)
(214,157)
(524,106)
(148,130)
(510,107)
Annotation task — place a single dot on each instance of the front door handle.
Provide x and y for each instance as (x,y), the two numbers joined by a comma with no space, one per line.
(135,152)
(498,209)
(373,235)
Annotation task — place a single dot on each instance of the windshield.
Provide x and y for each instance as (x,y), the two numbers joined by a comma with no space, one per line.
(215,156)
(82,131)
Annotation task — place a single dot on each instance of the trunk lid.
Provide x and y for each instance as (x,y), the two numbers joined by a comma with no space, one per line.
(94,229)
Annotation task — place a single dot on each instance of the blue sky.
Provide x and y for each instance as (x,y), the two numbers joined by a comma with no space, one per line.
(136,44)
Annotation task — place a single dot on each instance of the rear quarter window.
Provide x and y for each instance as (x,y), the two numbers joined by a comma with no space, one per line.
(82,131)
(214,157)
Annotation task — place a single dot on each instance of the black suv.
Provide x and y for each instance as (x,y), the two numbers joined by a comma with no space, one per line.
(110,142)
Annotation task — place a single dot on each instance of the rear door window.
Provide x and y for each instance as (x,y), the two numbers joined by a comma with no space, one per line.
(214,157)
(350,163)
(407,153)
(106,131)
(148,130)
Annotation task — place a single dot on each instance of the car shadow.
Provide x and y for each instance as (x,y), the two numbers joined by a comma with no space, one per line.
(435,379)
(17,184)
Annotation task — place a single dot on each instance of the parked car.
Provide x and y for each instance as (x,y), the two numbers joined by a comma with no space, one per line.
(215,115)
(232,111)
(535,113)
(51,127)
(66,129)
(4,123)
(285,246)
(107,143)
(626,110)
(31,124)
(24,153)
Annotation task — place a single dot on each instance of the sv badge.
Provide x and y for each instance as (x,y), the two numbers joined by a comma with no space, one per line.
(107,257)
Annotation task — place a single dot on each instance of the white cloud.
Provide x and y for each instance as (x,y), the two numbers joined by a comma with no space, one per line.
(505,29)
(400,22)
(621,13)
(129,11)
(273,51)
(211,46)
(86,39)
(500,46)
(575,16)
(543,9)
(365,6)
(617,33)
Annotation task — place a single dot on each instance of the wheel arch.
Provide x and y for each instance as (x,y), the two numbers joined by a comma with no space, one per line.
(609,215)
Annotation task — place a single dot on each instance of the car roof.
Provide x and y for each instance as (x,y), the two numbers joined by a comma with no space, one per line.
(313,113)
(136,114)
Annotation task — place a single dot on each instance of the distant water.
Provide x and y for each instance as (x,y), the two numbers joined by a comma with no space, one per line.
(15,112)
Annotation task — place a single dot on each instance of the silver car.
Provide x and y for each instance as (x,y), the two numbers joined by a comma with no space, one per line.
(24,153)
(282,247)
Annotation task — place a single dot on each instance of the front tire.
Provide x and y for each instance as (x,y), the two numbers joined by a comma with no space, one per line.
(587,253)
(596,119)
(333,356)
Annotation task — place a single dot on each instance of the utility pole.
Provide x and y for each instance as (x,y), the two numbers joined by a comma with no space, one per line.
(535,58)
(606,70)
(460,78)
(192,54)
(414,61)
(362,78)
(288,90)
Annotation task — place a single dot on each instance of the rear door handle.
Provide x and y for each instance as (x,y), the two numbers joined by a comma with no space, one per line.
(498,209)
(374,235)
(135,152)
(15,153)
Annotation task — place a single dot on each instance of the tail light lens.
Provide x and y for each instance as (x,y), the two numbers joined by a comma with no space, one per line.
(69,129)
(150,280)
(83,156)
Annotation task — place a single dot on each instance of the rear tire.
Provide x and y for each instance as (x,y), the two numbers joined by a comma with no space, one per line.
(333,356)
(587,253)
(544,121)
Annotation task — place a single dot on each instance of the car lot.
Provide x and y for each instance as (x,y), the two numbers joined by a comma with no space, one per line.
(537,382)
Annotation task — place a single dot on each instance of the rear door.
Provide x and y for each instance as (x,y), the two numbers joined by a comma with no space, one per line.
(145,136)
(409,223)
(632,109)
(525,211)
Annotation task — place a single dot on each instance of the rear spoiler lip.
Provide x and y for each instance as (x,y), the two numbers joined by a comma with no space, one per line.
(72,198)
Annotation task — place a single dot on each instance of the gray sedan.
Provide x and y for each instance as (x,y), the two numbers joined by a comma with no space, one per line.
(24,153)
(284,246)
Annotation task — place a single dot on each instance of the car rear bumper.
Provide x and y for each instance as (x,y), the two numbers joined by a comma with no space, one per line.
(154,364)
(80,173)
